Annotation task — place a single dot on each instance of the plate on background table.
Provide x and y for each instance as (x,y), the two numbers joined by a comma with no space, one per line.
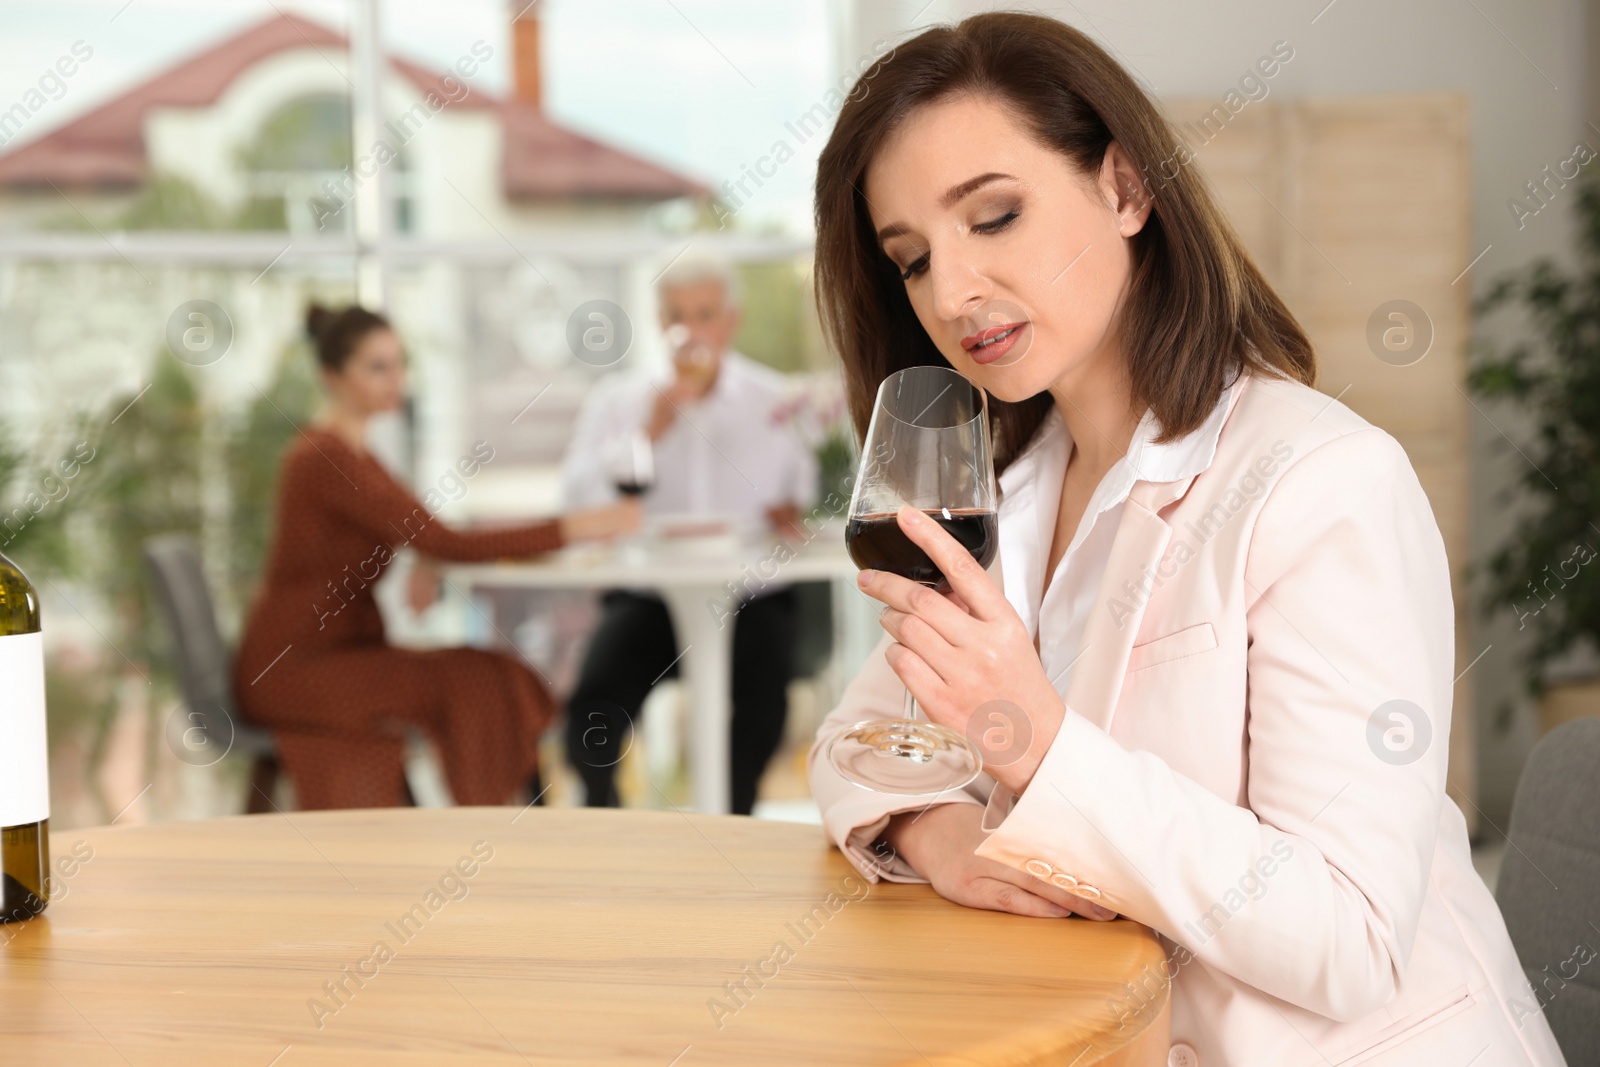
(696,536)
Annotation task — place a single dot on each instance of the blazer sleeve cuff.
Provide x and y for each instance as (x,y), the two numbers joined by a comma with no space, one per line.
(1048,830)
(860,846)
(1001,801)
(855,828)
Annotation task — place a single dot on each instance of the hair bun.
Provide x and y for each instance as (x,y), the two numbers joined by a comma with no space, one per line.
(335,333)
(318,319)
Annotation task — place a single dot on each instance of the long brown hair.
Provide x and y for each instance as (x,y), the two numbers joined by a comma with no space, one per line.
(1198,309)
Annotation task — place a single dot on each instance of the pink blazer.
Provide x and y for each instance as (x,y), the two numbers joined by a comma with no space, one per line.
(1253,759)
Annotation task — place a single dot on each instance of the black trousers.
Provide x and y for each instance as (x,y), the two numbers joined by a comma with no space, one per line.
(634,647)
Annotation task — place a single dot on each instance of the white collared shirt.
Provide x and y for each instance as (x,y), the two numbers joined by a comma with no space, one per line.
(726,455)
(1031,499)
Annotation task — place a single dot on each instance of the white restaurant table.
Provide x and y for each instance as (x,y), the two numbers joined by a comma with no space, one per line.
(694,589)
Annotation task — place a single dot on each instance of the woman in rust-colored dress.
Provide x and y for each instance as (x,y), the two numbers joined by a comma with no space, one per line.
(313,664)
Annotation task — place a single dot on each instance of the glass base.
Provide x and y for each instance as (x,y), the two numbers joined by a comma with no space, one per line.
(905,757)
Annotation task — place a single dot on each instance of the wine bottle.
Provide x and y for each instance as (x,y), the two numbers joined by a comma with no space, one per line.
(24,762)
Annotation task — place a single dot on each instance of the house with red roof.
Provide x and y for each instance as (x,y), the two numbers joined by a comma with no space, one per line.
(260,124)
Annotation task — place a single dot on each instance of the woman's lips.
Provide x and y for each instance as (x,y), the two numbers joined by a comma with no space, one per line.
(996,341)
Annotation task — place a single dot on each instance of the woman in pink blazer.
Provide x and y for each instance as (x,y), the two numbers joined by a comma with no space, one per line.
(1211,669)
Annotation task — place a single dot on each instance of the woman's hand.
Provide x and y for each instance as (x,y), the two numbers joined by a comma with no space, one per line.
(940,842)
(422,585)
(603,523)
(967,657)
(694,372)
(784,520)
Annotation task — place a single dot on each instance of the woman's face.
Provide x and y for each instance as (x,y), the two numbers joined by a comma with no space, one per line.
(1001,237)
(373,379)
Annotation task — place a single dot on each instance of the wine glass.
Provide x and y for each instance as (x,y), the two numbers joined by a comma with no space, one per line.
(927,446)
(633,464)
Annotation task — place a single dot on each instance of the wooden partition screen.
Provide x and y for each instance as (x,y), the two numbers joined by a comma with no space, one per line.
(1351,205)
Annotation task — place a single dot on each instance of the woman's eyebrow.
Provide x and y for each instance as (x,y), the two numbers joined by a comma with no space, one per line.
(956,192)
(951,197)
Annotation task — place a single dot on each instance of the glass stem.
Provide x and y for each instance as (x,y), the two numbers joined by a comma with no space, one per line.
(910,706)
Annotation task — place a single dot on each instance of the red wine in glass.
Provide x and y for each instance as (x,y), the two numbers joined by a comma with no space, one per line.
(633,466)
(876,542)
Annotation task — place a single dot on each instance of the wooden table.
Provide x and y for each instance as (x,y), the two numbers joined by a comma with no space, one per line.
(579,937)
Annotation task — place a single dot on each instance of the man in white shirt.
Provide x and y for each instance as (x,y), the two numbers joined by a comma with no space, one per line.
(717,449)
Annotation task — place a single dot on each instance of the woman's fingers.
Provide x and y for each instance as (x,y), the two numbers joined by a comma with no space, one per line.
(942,846)
(993,894)
(913,598)
(1039,900)
(926,686)
(915,634)
(422,585)
(1073,903)
(955,598)
(1077,905)
(1026,882)
(968,580)
(954,615)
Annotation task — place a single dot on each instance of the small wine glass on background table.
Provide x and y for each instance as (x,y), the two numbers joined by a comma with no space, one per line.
(927,446)
(633,465)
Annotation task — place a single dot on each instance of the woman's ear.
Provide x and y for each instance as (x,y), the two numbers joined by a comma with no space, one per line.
(1124,190)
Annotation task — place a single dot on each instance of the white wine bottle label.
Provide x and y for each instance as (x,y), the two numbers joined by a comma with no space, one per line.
(24,758)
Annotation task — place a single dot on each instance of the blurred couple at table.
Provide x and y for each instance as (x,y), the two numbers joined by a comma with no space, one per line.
(314,664)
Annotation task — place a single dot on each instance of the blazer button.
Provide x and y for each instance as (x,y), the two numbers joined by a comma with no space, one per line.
(1087,891)
(1182,1054)
(1063,880)
(1038,868)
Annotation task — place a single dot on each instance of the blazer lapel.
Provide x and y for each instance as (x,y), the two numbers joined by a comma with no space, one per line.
(1142,537)
(1125,591)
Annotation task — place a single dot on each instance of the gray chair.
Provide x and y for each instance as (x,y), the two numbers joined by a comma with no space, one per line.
(1549,885)
(204,668)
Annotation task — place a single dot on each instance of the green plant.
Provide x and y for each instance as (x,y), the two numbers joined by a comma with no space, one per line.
(146,481)
(167,202)
(255,446)
(79,701)
(171,202)
(774,301)
(836,463)
(37,500)
(47,525)
(149,476)
(1547,572)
